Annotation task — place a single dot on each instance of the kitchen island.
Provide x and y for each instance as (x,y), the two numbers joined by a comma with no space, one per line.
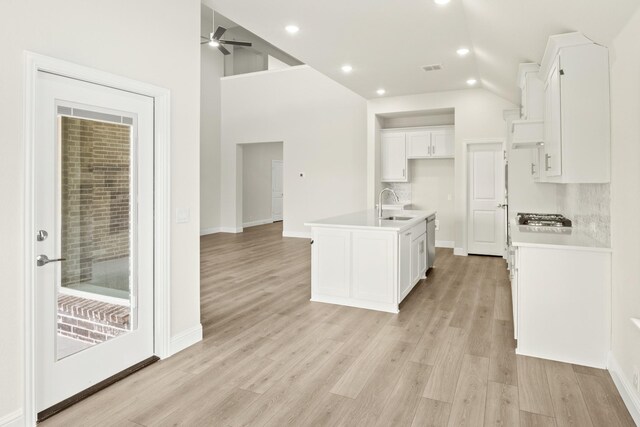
(362,261)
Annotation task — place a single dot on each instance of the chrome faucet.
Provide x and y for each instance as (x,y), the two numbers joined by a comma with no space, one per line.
(380,200)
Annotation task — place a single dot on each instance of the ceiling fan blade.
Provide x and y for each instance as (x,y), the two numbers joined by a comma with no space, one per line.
(204,38)
(219,32)
(234,43)
(224,50)
(204,42)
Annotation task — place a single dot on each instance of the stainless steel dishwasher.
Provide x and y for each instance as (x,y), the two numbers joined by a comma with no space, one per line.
(431,240)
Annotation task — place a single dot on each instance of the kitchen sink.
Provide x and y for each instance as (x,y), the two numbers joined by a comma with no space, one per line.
(397,218)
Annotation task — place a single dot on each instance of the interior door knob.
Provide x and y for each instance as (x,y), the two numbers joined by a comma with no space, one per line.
(44,260)
(502,205)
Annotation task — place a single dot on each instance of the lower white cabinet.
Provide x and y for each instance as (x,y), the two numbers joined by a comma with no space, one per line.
(366,268)
(373,267)
(332,272)
(562,303)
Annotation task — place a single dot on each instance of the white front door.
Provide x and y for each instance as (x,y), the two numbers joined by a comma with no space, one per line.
(94,209)
(277,193)
(486,192)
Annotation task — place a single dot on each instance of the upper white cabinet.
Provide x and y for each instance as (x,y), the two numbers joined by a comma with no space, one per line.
(576,114)
(393,156)
(399,145)
(435,142)
(442,142)
(532,90)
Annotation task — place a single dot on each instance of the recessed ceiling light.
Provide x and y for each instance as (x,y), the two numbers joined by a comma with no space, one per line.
(214,43)
(463,51)
(472,82)
(441,2)
(292,29)
(381,91)
(347,68)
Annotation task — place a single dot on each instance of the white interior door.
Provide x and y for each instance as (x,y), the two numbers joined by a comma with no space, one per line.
(486,192)
(93,208)
(277,193)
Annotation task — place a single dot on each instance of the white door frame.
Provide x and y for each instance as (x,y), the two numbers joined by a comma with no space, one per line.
(34,63)
(282,184)
(465,153)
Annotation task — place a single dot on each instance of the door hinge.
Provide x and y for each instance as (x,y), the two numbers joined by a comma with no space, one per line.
(561,72)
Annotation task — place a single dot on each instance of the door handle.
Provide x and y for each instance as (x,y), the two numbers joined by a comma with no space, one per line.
(502,205)
(44,260)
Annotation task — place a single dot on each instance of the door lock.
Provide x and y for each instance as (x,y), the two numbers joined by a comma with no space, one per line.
(44,260)
(42,235)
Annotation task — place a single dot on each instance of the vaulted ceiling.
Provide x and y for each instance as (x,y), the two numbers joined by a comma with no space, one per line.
(387,42)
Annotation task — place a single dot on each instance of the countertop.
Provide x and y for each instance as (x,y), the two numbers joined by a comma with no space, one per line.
(575,240)
(368,220)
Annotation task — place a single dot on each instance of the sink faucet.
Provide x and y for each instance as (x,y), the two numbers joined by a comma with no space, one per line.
(380,200)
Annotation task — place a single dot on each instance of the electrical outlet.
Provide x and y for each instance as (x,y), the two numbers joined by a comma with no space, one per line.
(636,379)
(437,224)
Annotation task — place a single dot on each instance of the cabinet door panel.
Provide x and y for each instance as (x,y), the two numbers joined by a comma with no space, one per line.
(422,256)
(418,145)
(405,262)
(442,143)
(393,157)
(535,163)
(552,160)
(332,263)
(415,261)
(373,266)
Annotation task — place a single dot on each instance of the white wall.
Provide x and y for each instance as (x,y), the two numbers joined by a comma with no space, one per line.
(121,37)
(256,181)
(478,114)
(211,69)
(323,127)
(625,195)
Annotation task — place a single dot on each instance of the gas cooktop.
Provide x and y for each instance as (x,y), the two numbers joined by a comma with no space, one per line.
(543,220)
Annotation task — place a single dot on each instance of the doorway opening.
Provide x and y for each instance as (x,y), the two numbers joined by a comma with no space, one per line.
(262,183)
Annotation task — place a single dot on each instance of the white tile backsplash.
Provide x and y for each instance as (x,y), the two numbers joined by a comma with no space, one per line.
(402,189)
(588,207)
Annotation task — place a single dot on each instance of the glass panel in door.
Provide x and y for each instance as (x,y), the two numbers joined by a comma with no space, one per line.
(96,280)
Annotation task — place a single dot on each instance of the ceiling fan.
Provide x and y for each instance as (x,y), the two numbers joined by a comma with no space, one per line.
(214,40)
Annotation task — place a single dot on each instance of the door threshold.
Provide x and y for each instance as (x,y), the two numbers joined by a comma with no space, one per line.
(61,406)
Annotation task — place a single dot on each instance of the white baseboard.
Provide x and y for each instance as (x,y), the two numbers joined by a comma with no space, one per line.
(445,244)
(625,388)
(13,419)
(460,252)
(231,229)
(212,230)
(258,222)
(185,339)
(299,234)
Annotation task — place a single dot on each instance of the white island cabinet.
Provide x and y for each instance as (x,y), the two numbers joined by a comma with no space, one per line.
(361,261)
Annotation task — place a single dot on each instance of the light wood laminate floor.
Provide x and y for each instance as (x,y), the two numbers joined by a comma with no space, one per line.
(272,357)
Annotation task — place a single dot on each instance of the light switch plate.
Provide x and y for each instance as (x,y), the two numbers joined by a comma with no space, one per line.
(183,215)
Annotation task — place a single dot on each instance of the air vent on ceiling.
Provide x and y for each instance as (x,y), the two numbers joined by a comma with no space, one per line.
(432,67)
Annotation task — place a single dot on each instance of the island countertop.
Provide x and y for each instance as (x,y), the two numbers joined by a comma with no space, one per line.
(368,220)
